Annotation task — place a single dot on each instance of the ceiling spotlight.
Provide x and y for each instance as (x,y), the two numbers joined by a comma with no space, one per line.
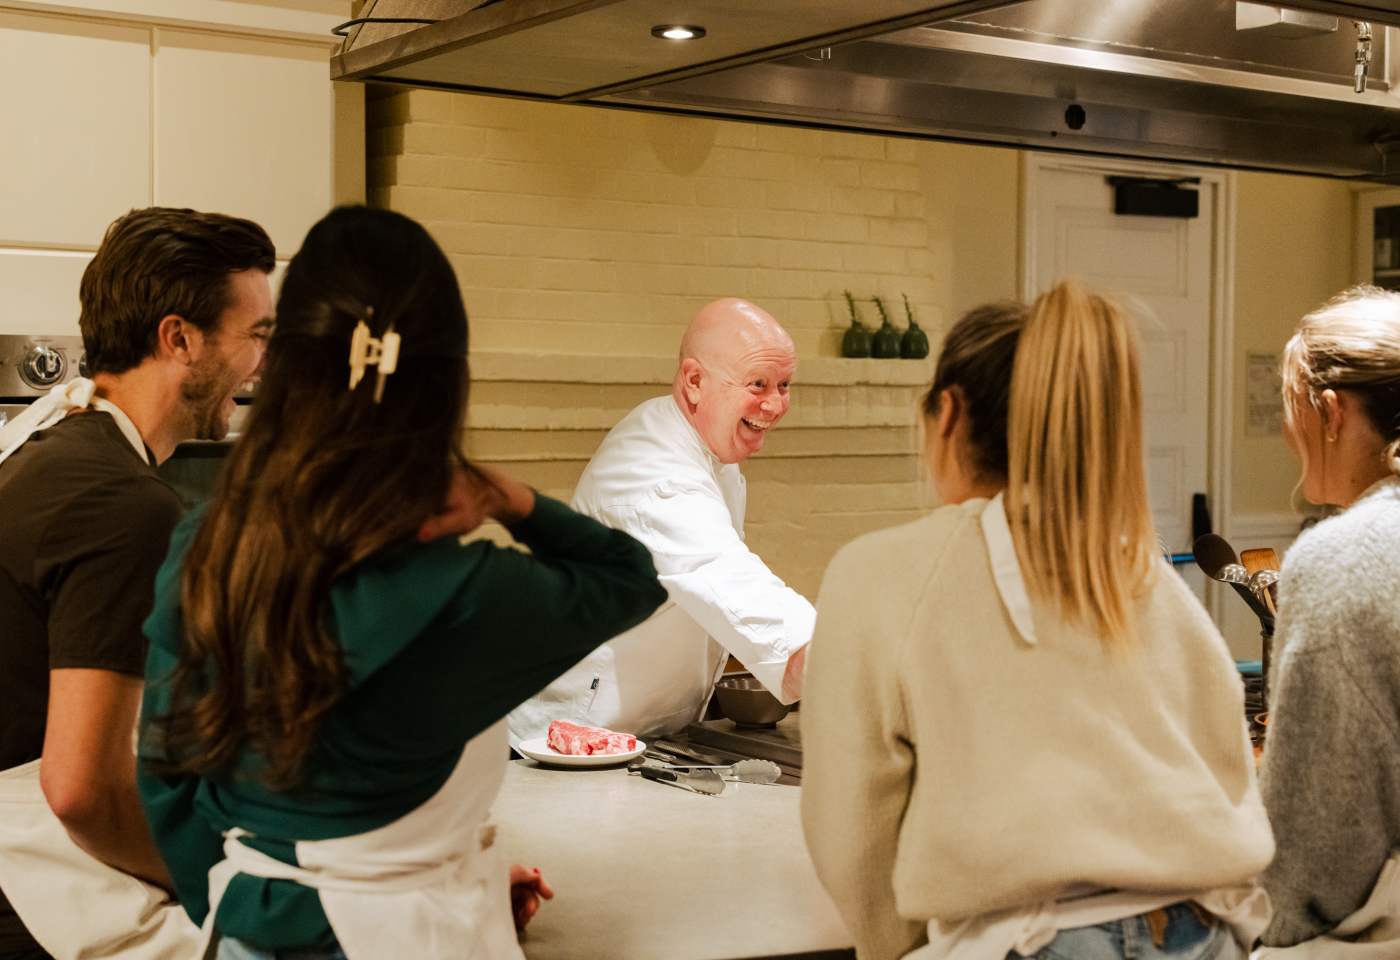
(671,31)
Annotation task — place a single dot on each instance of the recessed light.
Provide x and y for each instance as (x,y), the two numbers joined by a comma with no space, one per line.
(676,31)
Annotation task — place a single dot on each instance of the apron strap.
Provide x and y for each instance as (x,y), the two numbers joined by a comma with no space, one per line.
(242,858)
(54,406)
(128,429)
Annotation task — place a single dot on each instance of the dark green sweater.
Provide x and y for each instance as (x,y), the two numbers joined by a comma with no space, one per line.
(440,642)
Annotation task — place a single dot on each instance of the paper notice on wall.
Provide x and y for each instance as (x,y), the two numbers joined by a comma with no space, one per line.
(1264,397)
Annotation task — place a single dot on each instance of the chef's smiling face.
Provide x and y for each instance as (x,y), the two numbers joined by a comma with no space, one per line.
(231,358)
(734,378)
(738,406)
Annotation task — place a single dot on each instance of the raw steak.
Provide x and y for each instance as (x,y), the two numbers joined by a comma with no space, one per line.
(572,740)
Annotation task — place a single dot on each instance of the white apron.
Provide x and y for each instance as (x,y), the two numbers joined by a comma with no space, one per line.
(432,885)
(1245,909)
(72,903)
(75,905)
(1371,933)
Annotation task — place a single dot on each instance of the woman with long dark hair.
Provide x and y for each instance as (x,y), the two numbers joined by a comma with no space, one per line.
(322,729)
(1023,734)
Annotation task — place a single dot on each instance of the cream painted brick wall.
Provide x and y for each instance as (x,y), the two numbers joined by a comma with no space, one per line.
(580,230)
(583,237)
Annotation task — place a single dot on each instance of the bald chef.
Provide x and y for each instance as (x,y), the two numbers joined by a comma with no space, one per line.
(668,474)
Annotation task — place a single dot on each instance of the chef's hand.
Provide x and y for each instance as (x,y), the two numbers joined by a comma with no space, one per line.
(475,496)
(793,676)
(527,886)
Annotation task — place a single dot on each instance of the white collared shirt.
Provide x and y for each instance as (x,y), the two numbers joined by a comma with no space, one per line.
(654,478)
(1006,568)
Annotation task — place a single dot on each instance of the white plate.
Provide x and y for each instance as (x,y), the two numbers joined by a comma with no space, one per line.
(539,749)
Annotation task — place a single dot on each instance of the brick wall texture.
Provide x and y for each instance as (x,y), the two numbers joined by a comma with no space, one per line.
(598,233)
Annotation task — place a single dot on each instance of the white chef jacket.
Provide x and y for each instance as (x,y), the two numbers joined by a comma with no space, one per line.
(654,477)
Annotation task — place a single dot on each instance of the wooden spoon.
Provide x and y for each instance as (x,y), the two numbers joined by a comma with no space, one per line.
(1264,558)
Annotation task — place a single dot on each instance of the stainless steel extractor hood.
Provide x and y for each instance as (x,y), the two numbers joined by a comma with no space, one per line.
(1204,81)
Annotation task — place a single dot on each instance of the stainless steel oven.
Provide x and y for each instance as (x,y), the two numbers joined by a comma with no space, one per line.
(31,366)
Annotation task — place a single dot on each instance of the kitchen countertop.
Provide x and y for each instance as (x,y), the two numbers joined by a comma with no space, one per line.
(647,871)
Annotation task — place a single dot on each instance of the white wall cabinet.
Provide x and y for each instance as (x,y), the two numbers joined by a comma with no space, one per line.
(39,291)
(244,127)
(105,112)
(76,150)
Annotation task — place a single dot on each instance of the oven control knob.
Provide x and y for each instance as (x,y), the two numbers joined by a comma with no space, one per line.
(82,364)
(42,367)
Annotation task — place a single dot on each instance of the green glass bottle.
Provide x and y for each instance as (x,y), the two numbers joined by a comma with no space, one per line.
(914,344)
(885,343)
(856,342)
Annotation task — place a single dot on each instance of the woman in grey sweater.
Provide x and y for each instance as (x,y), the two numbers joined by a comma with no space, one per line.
(1331,772)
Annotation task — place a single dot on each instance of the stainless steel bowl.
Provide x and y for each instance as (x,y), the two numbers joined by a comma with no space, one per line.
(745,701)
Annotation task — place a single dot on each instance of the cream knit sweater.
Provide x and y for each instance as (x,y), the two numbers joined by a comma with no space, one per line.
(952,770)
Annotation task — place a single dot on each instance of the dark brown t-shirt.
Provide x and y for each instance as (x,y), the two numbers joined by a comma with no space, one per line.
(84,526)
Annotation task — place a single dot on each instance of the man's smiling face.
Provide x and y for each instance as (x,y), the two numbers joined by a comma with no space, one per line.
(734,388)
(232,356)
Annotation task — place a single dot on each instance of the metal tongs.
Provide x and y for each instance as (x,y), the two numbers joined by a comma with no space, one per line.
(700,781)
(745,771)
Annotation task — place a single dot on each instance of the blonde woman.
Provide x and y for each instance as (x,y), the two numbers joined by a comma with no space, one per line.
(1331,774)
(1024,737)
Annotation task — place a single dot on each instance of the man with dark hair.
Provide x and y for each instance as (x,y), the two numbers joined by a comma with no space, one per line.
(176,313)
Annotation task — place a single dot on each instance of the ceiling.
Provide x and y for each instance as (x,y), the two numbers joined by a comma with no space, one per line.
(1160,79)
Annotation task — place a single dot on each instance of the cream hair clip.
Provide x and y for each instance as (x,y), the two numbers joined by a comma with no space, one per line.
(366,351)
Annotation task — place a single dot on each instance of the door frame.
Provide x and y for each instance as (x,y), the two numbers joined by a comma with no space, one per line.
(1220,380)
(1365,200)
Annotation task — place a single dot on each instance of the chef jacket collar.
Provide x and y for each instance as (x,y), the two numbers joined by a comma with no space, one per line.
(1006,569)
(689,430)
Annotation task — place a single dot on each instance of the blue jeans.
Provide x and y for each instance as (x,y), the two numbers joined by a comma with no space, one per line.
(238,950)
(1185,938)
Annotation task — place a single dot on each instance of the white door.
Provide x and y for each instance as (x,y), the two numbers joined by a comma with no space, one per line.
(1164,269)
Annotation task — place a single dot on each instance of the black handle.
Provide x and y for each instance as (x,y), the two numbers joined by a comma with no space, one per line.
(656,773)
(1200,517)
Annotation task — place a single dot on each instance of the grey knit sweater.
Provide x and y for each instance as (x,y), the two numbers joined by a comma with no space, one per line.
(1331,773)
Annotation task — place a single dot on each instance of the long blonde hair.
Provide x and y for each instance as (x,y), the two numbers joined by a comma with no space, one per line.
(1076,496)
(1350,343)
